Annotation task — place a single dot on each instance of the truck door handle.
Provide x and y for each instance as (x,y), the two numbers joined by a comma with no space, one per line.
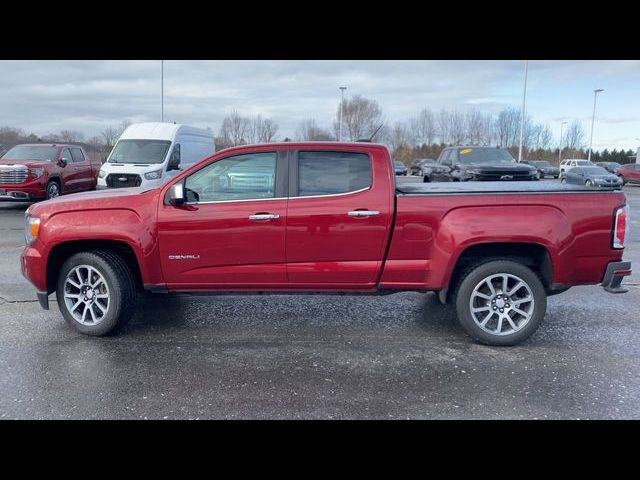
(264,216)
(363,213)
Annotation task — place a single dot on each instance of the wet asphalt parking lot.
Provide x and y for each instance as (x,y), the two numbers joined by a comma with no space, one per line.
(319,356)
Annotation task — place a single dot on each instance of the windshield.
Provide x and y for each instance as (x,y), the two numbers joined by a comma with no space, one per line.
(25,152)
(398,163)
(595,171)
(485,155)
(585,163)
(139,151)
(542,163)
(427,162)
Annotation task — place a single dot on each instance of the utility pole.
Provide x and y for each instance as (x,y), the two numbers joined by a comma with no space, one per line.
(522,113)
(162,90)
(593,117)
(342,89)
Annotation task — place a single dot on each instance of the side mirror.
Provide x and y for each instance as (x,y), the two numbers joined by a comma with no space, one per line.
(174,163)
(103,160)
(62,162)
(176,194)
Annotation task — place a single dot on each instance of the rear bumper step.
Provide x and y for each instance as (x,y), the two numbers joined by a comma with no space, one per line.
(613,276)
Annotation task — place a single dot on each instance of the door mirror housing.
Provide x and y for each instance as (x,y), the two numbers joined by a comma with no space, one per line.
(174,161)
(176,194)
(62,162)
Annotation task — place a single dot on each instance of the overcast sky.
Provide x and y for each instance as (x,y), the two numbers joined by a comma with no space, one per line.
(48,96)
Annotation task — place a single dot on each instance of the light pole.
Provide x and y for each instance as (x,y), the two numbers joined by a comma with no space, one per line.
(593,117)
(162,90)
(560,152)
(342,89)
(522,113)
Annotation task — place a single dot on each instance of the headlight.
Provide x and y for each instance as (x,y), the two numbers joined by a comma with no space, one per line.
(102,174)
(36,172)
(31,228)
(153,175)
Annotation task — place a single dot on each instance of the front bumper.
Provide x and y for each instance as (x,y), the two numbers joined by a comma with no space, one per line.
(613,276)
(22,192)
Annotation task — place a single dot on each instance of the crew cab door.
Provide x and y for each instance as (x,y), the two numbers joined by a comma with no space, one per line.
(68,172)
(230,234)
(338,218)
(83,178)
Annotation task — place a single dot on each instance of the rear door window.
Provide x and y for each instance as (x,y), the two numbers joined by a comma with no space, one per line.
(76,155)
(332,173)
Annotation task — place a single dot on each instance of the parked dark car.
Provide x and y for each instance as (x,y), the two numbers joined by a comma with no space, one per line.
(629,173)
(399,167)
(461,164)
(611,167)
(591,177)
(545,168)
(419,166)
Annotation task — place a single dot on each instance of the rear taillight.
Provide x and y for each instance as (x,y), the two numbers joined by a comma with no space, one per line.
(620,227)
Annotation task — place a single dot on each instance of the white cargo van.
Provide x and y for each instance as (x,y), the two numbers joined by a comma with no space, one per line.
(148,154)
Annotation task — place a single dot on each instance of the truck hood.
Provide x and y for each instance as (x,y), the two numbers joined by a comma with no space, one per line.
(24,163)
(97,199)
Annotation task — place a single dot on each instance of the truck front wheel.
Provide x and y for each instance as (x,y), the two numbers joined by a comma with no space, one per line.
(96,292)
(500,302)
(53,190)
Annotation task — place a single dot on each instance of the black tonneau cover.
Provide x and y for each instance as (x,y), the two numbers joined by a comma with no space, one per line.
(493,187)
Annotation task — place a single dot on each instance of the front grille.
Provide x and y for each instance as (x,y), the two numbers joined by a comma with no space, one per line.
(13,176)
(497,176)
(119,180)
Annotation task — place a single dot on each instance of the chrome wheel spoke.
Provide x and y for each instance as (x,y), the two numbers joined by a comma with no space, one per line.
(491,298)
(486,319)
(85,285)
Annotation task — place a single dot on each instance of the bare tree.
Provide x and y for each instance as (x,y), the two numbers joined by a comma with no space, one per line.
(507,127)
(110,134)
(574,136)
(398,136)
(234,129)
(457,127)
(308,130)
(360,117)
(423,127)
(71,136)
(443,126)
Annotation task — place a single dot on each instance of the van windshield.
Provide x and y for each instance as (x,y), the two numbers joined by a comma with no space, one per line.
(140,151)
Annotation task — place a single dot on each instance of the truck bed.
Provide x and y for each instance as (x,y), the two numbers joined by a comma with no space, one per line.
(493,187)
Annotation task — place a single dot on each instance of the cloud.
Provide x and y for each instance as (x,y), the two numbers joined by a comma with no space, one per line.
(49,96)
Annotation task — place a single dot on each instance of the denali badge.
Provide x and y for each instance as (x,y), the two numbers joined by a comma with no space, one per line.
(184,257)
(506,177)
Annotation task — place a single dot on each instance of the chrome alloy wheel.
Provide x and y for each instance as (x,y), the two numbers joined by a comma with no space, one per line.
(501,304)
(86,295)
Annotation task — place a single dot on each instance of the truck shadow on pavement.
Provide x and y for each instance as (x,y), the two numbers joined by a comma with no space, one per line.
(408,312)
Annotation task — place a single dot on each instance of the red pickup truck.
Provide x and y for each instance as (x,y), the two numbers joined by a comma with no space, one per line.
(326,217)
(43,171)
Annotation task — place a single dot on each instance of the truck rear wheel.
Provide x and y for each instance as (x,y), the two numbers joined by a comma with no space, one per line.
(500,302)
(96,292)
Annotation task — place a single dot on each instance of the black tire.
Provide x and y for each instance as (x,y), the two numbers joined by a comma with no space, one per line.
(425,179)
(122,291)
(563,180)
(53,189)
(555,176)
(473,275)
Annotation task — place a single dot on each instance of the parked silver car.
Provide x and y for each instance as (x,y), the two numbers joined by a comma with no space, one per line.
(591,177)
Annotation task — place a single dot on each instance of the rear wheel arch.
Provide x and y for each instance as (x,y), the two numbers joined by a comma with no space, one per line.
(61,252)
(533,255)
